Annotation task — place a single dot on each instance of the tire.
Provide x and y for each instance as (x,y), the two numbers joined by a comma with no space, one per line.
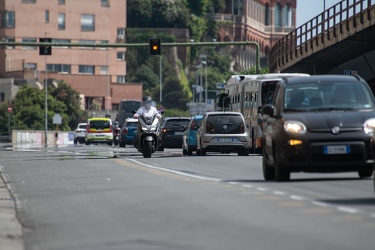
(75,141)
(243,152)
(147,150)
(268,171)
(189,151)
(281,174)
(184,152)
(87,143)
(203,152)
(367,173)
(122,144)
(110,143)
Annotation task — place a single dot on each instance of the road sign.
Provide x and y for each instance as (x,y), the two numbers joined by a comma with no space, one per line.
(57,119)
(10,109)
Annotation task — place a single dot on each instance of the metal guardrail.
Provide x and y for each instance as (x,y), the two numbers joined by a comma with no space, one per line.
(329,24)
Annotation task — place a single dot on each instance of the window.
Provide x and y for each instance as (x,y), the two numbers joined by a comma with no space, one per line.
(121,34)
(103,42)
(61,41)
(29,40)
(121,79)
(59,68)
(61,2)
(28,1)
(8,19)
(30,66)
(121,56)
(278,15)
(88,22)
(87,42)
(46,16)
(104,70)
(104,3)
(61,21)
(267,15)
(8,39)
(86,69)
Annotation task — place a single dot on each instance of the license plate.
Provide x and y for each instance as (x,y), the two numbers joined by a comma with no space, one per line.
(328,150)
(224,139)
(99,135)
(178,133)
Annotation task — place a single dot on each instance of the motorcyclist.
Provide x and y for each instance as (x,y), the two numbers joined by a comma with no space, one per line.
(147,109)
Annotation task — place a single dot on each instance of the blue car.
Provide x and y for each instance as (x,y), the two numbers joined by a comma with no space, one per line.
(189,142)
(128,132)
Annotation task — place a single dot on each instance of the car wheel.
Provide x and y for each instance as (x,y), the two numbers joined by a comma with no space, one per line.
(203,152)
(189,151)
(87,143)
(243,152)
(122,144)
(110,143)
(184,152)
(365,173)
(75,141)
(281,174)
(268,171)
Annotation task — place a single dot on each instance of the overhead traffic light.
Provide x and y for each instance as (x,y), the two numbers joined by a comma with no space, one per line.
(155,47)
(45,50)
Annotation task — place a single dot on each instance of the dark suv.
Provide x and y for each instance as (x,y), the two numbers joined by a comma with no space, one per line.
(319,124)
(172,130)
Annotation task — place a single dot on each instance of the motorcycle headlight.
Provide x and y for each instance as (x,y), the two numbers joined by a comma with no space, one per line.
(369,126)
(294,127)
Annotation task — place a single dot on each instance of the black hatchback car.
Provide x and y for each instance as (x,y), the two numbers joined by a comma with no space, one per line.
(319,124)
(172,130)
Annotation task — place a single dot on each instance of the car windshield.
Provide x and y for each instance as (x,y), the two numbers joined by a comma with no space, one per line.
(325,96)
(225,124)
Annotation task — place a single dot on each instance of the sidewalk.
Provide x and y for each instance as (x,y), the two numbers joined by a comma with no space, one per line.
(10,229)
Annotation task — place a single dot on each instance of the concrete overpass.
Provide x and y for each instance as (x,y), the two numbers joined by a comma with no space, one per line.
(340,40)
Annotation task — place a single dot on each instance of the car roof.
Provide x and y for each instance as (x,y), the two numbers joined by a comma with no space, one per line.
(325,78)
(197,117)
(82,123)
(99,119)
(176,118)
(223,113)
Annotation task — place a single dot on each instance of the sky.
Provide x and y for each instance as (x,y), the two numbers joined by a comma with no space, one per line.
(308,9)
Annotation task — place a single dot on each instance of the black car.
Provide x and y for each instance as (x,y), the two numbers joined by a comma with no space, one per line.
(172,130)
(319,124)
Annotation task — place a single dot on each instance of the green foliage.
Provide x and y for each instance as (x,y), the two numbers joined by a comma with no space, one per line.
(29,109)
(175,113)
(251,71)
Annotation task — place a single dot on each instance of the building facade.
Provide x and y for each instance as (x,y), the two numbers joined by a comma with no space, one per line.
(96,73)
(261,21)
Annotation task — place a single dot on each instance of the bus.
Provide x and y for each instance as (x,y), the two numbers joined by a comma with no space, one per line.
(248,94)
(125,109)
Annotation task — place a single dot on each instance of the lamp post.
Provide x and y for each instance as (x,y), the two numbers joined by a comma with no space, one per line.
(203,59)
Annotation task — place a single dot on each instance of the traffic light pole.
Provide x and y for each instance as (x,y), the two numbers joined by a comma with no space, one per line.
(135,45)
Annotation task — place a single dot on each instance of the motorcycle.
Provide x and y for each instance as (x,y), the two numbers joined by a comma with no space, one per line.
(116,134)
(148,130)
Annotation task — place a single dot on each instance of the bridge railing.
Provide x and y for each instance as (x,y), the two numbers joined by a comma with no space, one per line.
(328,25)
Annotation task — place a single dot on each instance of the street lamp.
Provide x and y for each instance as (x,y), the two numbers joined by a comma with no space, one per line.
(205,78)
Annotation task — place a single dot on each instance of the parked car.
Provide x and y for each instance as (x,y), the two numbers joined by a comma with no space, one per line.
(223,132)
(80,133)
(99,130)
(319,124)
(128,132)
(189,141)
(172,129)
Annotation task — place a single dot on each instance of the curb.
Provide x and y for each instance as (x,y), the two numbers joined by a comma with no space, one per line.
(10,229)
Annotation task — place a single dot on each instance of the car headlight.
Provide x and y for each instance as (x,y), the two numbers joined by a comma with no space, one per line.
(369,126)
(294,127)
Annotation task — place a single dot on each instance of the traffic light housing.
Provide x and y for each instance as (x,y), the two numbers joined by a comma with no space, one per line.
(224,101)
(45,50)
(155,47)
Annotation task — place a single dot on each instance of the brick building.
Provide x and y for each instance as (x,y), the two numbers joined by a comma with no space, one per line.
(94,72)
(262,21)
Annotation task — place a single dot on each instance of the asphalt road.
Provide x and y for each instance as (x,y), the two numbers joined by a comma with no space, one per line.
(98,197)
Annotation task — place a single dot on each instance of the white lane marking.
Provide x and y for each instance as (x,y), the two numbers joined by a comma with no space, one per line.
(293,197)
(348,210)
(248,186)
(320,204)
(298,198)
(176,172)
(279,192)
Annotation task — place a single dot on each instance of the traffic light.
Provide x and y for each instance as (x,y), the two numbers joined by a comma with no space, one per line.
(155,47)
(45,50)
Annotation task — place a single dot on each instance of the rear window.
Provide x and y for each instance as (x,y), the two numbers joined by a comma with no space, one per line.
(225,124)
(170,123)
(99,124)
(82,126)
(131,124)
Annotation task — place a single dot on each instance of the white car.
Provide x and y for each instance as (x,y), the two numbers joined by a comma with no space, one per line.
(80,133)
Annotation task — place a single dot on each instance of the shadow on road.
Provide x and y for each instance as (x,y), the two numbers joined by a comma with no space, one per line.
(351,202)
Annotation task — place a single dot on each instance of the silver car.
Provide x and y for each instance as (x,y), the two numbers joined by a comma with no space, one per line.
(223,132)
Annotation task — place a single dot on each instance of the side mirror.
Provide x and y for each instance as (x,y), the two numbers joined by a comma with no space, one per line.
(268,110)
(133,112)
(161,111)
